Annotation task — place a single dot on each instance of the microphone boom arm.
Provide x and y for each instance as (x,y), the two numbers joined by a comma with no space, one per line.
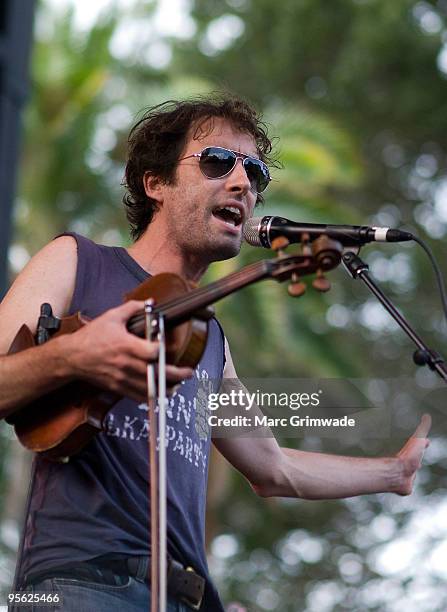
(357,268)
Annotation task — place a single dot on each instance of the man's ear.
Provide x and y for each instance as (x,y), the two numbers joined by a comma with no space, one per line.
(153,186)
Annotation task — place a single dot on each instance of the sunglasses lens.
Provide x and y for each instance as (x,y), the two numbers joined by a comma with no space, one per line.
(216,162)
(257,173)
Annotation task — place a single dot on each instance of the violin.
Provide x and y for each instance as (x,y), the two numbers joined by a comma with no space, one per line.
(60,423)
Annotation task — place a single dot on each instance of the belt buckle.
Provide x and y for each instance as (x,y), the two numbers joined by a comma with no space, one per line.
(194,606)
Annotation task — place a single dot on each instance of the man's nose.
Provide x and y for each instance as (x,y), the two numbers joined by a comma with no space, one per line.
(238,179)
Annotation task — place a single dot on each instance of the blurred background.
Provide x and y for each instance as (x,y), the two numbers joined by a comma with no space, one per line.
(355,92)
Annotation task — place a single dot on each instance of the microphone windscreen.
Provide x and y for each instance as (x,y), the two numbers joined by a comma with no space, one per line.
(251,231)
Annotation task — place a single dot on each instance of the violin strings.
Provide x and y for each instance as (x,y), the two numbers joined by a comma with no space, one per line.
(196,294)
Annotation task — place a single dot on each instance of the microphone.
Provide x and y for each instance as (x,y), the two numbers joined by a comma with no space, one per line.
(261,231)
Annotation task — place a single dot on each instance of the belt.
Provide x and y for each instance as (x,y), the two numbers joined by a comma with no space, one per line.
(183,583)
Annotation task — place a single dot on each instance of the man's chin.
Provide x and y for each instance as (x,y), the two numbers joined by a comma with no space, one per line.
(225,250)
(215,248)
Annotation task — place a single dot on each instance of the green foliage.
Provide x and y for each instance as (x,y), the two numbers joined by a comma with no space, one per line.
(355,91)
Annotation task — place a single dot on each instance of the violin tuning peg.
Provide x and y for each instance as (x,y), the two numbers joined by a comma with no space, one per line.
(321,283)
(280,243)
(296,289)
(306,248)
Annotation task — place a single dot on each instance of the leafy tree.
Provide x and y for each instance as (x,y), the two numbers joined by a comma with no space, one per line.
(355,91)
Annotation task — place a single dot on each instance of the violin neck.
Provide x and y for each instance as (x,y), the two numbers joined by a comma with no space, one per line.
(180,309)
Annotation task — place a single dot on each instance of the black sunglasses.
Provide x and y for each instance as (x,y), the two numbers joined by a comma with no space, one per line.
(217,162)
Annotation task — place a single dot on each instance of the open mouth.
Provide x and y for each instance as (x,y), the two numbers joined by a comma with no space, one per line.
(229,214)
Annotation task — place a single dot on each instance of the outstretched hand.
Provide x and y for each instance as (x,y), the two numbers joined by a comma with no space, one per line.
(410,455)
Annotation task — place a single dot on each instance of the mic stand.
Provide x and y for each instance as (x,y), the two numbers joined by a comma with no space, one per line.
(357,268)
(155,329)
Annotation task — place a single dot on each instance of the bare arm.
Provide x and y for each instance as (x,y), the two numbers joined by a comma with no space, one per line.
(30,374)
(27,375)
(103,352)
(285,472)
(320,476)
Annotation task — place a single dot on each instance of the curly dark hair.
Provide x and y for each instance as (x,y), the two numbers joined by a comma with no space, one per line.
(157,140)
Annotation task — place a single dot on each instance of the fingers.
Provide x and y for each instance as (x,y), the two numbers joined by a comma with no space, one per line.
(128,309)
(135,386)
(119,358)
(143,349)
(175,374)
(423,428)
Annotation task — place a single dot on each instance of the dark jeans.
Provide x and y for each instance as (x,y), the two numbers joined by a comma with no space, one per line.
(77,595)
(83,596)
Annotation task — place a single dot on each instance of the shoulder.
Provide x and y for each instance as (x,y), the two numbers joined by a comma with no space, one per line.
(51,271)
(49,276)
(61,250)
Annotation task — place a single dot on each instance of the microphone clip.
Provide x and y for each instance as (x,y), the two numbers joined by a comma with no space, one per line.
(353,264)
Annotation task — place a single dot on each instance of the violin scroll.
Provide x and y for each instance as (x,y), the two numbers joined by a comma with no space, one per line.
(321,255)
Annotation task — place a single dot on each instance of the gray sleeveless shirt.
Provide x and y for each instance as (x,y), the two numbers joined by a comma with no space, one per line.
(98,503)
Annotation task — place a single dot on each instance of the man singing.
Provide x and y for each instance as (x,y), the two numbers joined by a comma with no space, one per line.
(194,173)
